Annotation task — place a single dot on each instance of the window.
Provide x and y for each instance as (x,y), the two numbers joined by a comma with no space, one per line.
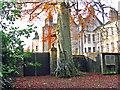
(93,37)
(109,60)
(85,50)
(101,48)
(101,36)
(112,47)
(98,36)
(36,48)
(107,46)
(76,51)
(106,33)
(88,37)
(84,39)
(112,31)
(98,48)
(93,49)
(89,49)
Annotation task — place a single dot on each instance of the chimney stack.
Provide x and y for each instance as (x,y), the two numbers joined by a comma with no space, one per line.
(112,14)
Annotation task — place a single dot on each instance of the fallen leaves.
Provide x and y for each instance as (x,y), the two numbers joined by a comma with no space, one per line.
(93,81)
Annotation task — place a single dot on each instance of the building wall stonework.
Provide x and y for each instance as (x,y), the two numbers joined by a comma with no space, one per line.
(108,38)
(35,45)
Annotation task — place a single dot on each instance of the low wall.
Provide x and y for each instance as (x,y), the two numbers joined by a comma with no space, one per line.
(44,69)
(93,61)
(80,62)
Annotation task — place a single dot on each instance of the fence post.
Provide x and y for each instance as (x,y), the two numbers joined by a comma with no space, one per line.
(53,59)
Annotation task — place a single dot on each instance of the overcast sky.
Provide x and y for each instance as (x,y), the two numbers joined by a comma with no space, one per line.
(40,23)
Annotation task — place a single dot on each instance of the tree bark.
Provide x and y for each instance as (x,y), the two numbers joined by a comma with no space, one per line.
(65,64)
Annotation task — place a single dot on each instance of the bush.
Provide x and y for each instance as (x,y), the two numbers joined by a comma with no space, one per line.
(12,45)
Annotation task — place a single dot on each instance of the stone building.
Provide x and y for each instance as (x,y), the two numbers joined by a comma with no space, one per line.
(49,31)
(107,36)
(35,43)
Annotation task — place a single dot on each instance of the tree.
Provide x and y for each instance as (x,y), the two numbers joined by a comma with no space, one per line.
(66,67)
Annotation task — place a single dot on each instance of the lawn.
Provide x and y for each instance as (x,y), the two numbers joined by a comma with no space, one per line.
(92,81)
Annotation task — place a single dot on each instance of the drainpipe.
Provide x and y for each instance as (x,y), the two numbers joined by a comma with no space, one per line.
(79,41)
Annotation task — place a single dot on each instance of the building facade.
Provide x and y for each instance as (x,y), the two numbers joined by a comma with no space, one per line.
(107,38)
(102,38)
(88,40)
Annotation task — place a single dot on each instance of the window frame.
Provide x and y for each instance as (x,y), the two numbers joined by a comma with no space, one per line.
(89,48)
(36,48)
(106,62)
(89,37)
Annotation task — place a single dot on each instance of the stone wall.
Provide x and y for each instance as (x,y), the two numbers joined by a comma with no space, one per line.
(44,69)
(80,63)
(93,61)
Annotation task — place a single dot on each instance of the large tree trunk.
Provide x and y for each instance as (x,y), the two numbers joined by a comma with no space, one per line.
(65,64)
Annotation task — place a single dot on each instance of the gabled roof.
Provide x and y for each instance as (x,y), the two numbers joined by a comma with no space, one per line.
(91,13)
(109,22)
(88,17)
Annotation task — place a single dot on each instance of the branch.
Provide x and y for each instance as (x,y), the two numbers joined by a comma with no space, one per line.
(38,7)
(35,9)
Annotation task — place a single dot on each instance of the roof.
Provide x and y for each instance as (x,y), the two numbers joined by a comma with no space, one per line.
(36,36)
(109,22)
(88,17)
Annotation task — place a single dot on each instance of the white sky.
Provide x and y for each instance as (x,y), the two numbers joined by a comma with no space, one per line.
(40,23)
